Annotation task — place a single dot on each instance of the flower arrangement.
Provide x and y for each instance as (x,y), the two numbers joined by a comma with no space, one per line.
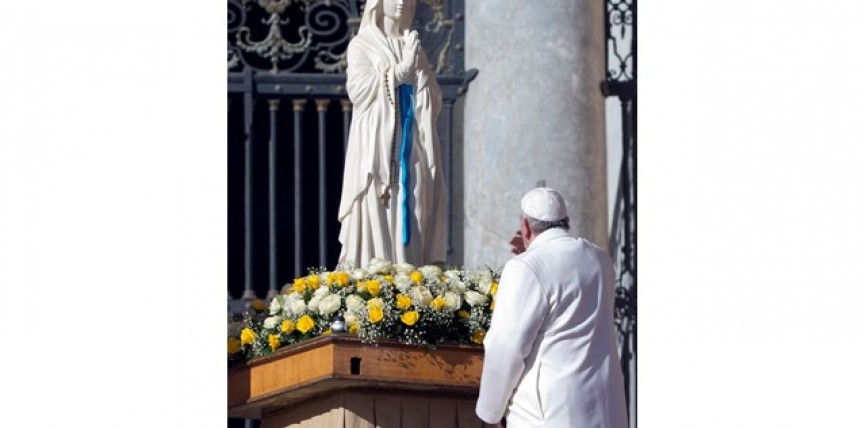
(422,306)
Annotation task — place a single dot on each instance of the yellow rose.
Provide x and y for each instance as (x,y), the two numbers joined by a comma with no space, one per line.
(314,281)
(389,279)
(403,301)
(375,314)
(438,303)
(478,336)
(299,285)
(463,313)
(410,318)
(340,278)
(305,324)
(494,287)
(234,345)
(416,276)
(327,332)
(287,326)
(247,336)
(353,328)
(373,287)
(274,341)
(259,305)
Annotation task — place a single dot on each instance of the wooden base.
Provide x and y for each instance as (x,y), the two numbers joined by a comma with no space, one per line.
(298,376)
(377,410)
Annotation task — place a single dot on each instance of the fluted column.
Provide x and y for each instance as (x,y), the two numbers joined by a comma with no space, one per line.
(322,108)
(535,113)
(274,107)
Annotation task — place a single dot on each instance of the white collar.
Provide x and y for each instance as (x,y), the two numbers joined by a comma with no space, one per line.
(548,235)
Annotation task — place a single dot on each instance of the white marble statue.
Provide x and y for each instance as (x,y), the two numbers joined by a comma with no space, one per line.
(393,197)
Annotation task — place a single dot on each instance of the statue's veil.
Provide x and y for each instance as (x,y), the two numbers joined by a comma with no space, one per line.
(374,16)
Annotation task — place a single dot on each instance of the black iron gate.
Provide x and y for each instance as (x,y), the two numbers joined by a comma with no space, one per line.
(621,82)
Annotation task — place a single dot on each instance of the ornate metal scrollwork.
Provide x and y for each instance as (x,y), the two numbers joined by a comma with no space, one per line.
(274,46)
(440,32)
(621,39)
(311,36)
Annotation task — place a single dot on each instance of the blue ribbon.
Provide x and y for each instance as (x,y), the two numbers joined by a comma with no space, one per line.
(407,117)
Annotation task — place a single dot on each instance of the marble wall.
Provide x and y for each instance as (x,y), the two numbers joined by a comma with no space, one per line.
(535,113)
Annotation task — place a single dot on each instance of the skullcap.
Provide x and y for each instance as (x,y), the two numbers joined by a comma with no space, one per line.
(544,203)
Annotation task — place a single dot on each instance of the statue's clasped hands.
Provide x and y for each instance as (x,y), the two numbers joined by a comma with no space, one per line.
(405,71)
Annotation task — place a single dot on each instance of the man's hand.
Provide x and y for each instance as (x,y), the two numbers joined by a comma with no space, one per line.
(516,243)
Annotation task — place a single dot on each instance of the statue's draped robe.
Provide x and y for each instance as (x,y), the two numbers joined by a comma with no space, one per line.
(368,228)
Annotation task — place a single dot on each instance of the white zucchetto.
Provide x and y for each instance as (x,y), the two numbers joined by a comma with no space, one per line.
(544,203)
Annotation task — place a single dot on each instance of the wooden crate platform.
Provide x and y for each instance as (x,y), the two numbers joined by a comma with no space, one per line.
(340,362)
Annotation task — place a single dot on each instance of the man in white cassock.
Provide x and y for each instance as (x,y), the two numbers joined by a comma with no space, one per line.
(550,356)
(393,197)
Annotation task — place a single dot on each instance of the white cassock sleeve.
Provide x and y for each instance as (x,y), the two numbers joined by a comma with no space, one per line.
(521,309)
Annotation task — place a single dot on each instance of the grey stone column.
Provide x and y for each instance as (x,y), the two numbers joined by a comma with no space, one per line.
(535,113)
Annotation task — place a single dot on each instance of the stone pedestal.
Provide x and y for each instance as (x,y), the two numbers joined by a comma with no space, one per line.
(535,113)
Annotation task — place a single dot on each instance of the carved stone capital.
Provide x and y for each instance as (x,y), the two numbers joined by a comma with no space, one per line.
(322,104)
(346,104)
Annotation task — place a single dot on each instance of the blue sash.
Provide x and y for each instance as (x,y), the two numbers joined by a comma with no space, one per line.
(407,118)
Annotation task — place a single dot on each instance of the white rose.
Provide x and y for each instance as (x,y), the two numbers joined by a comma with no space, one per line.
(430,272)
(420,295)
(452,275)
(272,322)
(458,286)
(276,305)
(484,286)
(452,301)
(354,303)
(329,304)
(404,268)
(297,307)
(475,298)
(359,274)
(322,292)
(379,266)
(314,303)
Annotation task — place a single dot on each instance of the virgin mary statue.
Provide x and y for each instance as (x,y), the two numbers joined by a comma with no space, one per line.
(393,201)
